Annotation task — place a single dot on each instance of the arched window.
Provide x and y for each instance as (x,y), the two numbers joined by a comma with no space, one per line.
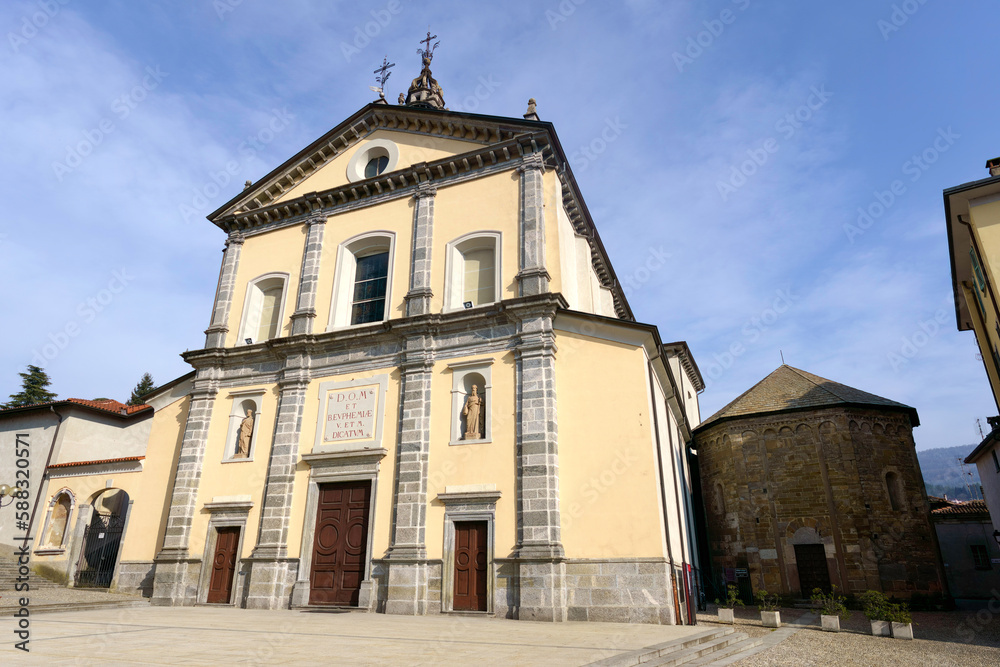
(263,311)
(473,271)
(895,488)
(363,280)
(719,500)
(62,508)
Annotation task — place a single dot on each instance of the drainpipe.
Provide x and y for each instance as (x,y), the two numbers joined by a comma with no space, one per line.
(45,475)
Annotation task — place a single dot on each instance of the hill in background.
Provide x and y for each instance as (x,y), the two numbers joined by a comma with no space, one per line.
(942,472)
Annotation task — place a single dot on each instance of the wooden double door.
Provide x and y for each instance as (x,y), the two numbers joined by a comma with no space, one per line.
(340,543)
(471,544)
(220,586)
(813,570)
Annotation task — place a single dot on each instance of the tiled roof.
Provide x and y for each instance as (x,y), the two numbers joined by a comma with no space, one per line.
(971,508)
(789,388)
(103,405)
(88,463)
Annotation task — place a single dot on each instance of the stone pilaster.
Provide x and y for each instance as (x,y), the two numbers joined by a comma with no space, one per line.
(271,571)
(171,585)
(418,299)
(539,550)
(407,555)
(215,335)
(305,309)
(533,278)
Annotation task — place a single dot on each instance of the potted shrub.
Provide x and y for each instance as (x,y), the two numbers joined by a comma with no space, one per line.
(832,608)
(726,607)
(876,610)
(902,622)
(768,606)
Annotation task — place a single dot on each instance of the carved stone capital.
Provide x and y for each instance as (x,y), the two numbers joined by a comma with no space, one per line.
(424,190)
(532,161)
(235,238)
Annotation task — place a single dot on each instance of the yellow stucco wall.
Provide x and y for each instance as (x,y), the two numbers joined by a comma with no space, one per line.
(489,204)
(491,462)
(244,477)
(149,490)
(413,149)
(387,468)
(607,482)
(279,251)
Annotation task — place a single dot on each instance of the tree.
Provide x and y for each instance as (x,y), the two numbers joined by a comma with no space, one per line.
(144,387)
(33,389)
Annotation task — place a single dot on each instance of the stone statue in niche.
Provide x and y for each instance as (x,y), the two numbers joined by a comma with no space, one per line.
(475,415)
(243,439)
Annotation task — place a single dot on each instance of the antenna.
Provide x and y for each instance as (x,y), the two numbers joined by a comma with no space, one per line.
(782,357)
(967,478)
(979,425)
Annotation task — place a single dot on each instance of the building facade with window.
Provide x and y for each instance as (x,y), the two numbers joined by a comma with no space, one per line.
(972,216)
(422,390)
(970,553)
(809,483)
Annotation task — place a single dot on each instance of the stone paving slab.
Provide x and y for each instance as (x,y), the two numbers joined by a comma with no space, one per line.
(206,636)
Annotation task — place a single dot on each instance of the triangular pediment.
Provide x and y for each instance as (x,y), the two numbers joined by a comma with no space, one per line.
(421,136)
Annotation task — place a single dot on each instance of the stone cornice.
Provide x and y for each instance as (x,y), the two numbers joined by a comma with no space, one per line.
(414,180)
(389,335)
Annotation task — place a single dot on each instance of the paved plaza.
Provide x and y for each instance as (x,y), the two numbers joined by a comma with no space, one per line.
(211,636)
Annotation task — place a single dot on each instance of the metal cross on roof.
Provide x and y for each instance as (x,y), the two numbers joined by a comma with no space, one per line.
(428,50)
(383,74)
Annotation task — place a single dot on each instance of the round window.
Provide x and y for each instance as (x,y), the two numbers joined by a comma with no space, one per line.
(376,166)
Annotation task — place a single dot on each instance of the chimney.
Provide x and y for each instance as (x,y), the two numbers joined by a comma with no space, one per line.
(994,166)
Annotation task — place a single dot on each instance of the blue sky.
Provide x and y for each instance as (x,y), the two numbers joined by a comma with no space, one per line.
(724,149)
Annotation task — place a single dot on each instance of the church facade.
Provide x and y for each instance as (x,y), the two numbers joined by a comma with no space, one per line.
(422,390)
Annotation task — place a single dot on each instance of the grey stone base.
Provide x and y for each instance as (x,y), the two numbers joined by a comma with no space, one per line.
(407,587)
(542,591)
(619,591)
(505,589)
(135,576)
(175,582)
(269,582)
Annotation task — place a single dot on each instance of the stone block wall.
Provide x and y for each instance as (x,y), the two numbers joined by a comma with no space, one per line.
(819,477)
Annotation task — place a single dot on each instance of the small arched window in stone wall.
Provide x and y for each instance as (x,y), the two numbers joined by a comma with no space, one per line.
(61,509)
(895,488)
(719,500)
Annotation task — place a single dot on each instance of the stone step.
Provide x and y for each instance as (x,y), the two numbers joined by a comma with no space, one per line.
(685,656)
(7,610)
(730,654)
(644,655)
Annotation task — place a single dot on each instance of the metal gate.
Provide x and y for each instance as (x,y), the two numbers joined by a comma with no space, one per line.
(101,541)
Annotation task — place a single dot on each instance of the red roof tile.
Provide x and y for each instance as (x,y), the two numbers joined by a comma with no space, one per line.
(971,508)
(108,405)
(87,463)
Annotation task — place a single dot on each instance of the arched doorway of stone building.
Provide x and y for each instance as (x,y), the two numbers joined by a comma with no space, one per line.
(810,561)
(102,539)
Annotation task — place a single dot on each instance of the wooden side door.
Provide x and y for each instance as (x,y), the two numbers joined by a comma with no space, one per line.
(340,543)
(470,566)
(813,570)
(220,587)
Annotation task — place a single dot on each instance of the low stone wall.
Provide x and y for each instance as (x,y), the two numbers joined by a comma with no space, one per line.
(135,577)
(619,591)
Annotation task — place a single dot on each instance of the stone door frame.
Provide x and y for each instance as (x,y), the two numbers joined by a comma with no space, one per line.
(464,504)
(225,514)
(332,467)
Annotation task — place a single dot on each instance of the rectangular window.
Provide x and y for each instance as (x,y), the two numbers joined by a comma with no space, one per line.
(980,557)
(996,462)
(980,279)
(270,308)
(370,280)
(480,273)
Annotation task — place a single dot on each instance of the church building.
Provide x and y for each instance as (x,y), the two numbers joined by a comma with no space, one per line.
(422,390)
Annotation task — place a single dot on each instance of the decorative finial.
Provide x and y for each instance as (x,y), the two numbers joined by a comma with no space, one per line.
(401,99)
(424,90)
(247,184)
(531,114)
(383,75)
(427,53)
